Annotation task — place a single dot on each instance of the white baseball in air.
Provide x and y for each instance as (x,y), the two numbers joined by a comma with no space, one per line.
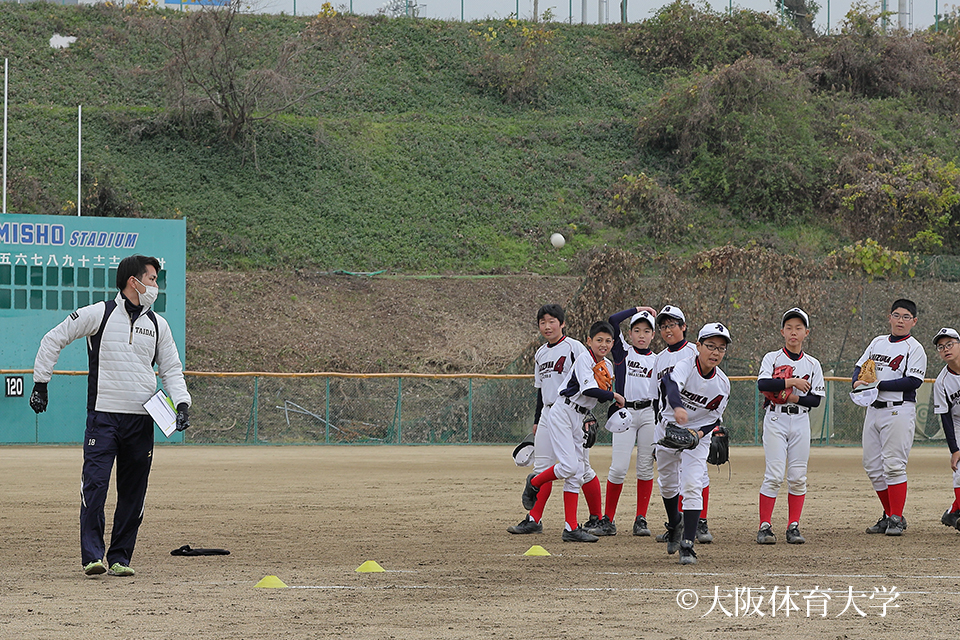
(557,240)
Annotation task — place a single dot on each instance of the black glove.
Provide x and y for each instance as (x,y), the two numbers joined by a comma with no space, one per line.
(677,437)
(183,420)
(719,447)
(38,399)
(589,431)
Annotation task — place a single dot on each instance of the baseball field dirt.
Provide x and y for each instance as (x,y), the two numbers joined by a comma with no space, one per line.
(435,518)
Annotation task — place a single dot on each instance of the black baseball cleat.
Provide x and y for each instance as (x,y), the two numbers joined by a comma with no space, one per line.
(674,536)
(640,527)
(687,554)
(600,526)
(703,532)
(793,534)
(529,497)
(527,526)
(881,526)
(663,537)
(895,526)
(949,518)
(578,535)
(765,535)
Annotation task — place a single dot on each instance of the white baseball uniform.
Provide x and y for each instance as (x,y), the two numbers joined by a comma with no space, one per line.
(564,426)
(946,394)
(786,427)
(704,399)
(552,365)
(665,362)
(889,424)
(639,389)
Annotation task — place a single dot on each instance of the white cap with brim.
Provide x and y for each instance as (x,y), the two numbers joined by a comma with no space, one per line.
(619,422)
(645,316)
(714,330)
(946,332)
(796,312)
(671,312)
(523,453)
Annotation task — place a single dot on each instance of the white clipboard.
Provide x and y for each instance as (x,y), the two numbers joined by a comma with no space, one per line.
(161,409)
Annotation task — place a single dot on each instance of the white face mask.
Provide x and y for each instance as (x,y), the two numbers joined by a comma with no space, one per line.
(148,297)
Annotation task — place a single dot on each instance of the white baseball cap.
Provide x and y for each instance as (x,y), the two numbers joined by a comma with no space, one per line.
(714,329)
(671,312)
(619,422)
(523,453)
(946,332)
(643,315)
(796,312)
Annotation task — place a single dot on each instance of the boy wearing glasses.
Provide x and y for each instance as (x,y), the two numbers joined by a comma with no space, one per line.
(787,374)
(889,424)
(696,393)
(946,392)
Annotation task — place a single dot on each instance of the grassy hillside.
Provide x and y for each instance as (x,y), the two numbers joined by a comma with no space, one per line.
(420,161)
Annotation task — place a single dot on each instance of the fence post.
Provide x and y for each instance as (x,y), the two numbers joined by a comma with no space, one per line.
(253,412)
(399,408)
(327,412)
(470,410)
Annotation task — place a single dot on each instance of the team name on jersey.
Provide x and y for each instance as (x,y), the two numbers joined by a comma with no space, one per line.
(665,372)
(953,397)
(891,363)
(700,401)
(144,331)
(637,369)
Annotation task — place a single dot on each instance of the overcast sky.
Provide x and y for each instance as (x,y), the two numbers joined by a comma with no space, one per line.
(923,10)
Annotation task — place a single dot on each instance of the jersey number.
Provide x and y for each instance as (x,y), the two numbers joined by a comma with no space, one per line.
(558,365)
(895,363)
(713,404)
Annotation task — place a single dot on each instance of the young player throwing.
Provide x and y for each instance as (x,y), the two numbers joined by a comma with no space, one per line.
(792,382)
(696,392)
(551,365)
(946,392)
(889,424)
(633,364)
(590,382)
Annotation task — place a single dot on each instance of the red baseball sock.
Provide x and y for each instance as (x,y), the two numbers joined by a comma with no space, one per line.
(591,493)
(898,498)
(706,497)
(680,503)
(644,491)
(885,500)
(570,500)
(546,476)
(956,500)
(766,508)
(795,506)
(613,499)
(537,512)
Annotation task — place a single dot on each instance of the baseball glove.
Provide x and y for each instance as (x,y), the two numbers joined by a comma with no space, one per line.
(676,437)
(719,447)
(589,431)
(602,375)
(781,373)
(868,372)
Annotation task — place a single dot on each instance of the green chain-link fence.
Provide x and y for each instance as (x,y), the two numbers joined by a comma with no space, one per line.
(452,409)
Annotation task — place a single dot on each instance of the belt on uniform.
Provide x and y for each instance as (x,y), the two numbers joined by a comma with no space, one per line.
(638,404)
(576,407)
(886,405)
(788,408)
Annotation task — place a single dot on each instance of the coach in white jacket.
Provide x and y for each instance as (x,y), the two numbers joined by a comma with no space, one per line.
(125,339)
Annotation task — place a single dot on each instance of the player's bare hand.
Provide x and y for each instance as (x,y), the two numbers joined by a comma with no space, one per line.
(534,429)
(649,310)
(680,415)
(858,383)
(799,384)
(955,460)
(619,399)
(794,398)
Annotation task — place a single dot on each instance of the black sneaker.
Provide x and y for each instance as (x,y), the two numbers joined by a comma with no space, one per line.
(895,526)
(578,535)
(793,534)
(703,532)
(673,540)
(881,526)
(687,554)
(601,527)
(529,497)
(663,537)
(640,527)
(949,518)
(527,526)
(765,535)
